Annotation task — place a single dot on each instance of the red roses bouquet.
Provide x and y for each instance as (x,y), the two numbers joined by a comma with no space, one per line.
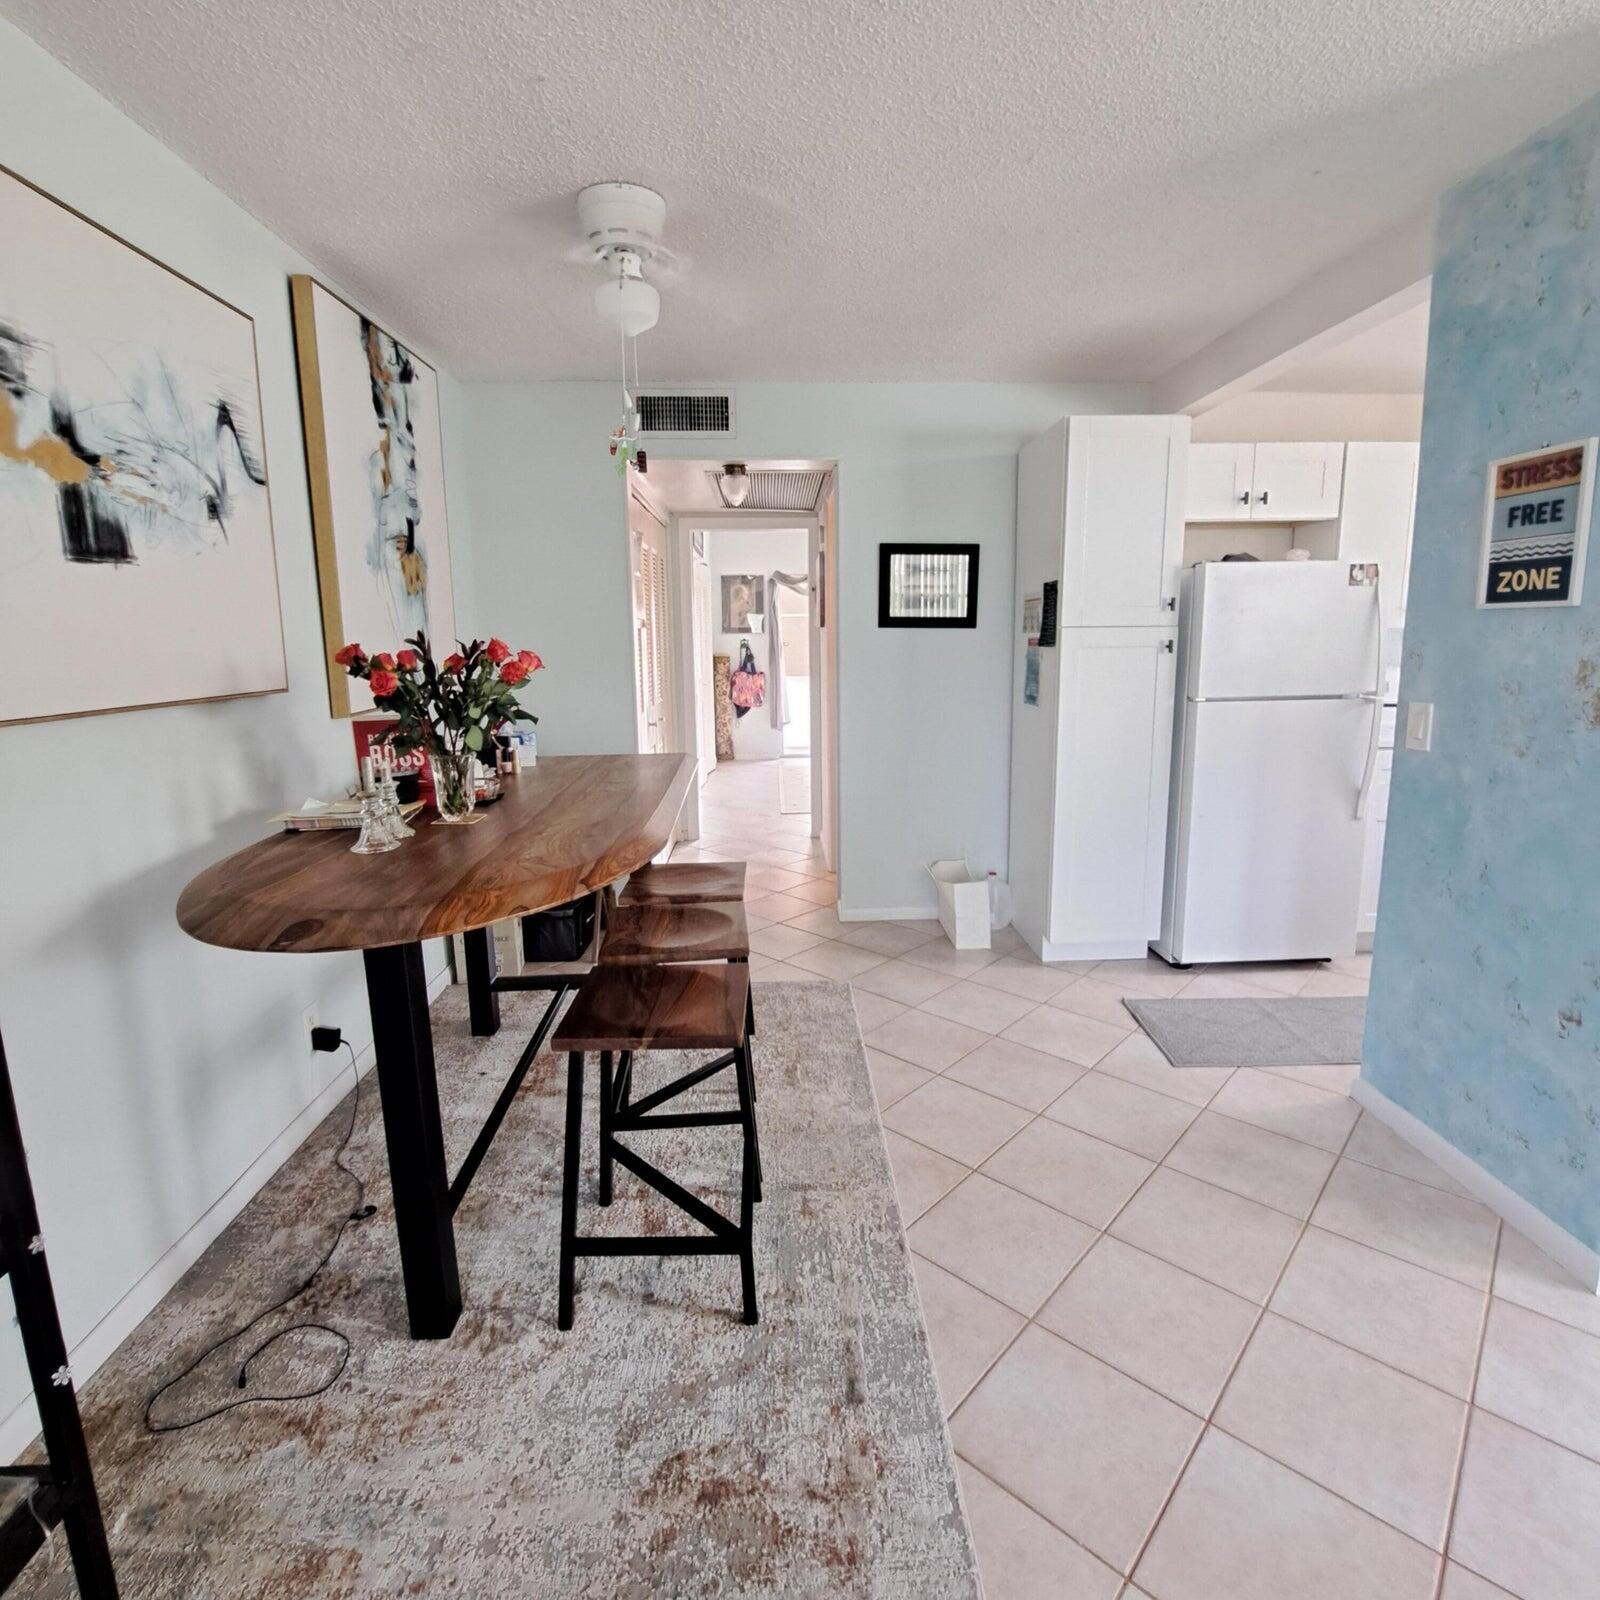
(447,709)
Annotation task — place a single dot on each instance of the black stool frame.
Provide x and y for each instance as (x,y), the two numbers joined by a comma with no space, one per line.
(620,1114)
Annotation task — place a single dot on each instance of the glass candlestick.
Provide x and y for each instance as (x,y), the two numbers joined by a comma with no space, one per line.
(389,798)
(375,835)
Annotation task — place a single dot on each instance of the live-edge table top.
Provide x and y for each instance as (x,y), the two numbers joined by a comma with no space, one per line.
(566,826)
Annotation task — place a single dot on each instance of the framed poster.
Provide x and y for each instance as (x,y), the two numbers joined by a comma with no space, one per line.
(1536,526)
(376,464)
(927,585)
(136,522)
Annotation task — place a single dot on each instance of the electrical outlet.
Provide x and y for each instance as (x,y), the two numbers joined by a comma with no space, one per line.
(1419,725)
(310,1018)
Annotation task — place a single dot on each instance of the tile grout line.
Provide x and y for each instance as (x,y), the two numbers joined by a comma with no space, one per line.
(1228,1377)
(1206,1420)
(1071,1538)
(1466,1423)
(1030,1322)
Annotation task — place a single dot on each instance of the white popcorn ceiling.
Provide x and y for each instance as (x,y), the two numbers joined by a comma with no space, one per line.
(934,189)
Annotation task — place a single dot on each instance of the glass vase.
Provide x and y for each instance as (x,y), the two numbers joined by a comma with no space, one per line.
(454,791)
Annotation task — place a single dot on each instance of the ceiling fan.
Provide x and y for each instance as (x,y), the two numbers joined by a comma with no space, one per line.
(622,225)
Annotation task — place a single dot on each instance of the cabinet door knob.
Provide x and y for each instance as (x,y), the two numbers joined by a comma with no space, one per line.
(1168,646)
(1171,602)
(1263,497)
(1244,499)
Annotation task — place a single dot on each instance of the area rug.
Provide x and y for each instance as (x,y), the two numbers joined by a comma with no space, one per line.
(1287,1032)
(660,1448)
(794,785)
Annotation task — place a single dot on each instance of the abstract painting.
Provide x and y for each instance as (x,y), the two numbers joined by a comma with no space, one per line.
(135,524)
(376,461)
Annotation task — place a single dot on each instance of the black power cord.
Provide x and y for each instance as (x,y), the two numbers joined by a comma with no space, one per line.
(322,1039)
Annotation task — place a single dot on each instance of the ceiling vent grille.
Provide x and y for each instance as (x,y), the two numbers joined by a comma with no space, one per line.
(778,489)
(663,412)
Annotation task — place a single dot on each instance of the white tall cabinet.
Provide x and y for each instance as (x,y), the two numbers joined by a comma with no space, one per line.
(1100,507)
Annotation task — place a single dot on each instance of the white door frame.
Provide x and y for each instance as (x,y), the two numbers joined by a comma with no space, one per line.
(681,630)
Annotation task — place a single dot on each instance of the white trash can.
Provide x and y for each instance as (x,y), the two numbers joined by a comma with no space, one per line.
(963,903)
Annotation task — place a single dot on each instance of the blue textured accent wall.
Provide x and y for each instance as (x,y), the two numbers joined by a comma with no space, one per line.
(1484,1020)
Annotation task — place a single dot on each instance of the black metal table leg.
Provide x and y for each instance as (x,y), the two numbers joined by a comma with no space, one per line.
(483,1003)
(607,1112)
(749,1184)
(397,991)
(570,1158)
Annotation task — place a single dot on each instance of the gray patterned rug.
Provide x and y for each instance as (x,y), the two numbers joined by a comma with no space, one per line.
(1297,1031)
(659,1449)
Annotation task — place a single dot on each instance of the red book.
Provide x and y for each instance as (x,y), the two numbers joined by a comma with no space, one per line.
(369,729)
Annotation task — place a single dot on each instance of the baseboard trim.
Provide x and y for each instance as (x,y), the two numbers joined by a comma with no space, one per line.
(1094,950)
(1573,1254)
(91,1352)
(888,914)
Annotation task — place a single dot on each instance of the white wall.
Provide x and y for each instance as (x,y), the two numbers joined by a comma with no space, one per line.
(923,732)
(763,550)
(153,1073)
(1267,415)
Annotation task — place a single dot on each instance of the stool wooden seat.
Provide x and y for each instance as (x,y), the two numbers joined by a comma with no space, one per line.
(618,1011)
(652,933)
(685,883)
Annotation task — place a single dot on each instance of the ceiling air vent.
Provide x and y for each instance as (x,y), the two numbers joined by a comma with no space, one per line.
(778,489)
(663,412)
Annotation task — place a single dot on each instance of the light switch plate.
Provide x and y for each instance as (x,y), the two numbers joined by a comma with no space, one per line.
(1419,725)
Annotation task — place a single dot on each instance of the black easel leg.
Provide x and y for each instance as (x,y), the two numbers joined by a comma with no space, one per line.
(569,1185)
(747,1187)
(607,1112)
(483,1003)
(397,991)
(22,1254)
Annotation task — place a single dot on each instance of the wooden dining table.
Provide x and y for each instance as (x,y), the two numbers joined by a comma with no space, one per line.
(567,826)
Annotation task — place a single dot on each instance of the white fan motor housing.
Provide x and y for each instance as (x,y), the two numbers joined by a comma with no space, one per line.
(621,216)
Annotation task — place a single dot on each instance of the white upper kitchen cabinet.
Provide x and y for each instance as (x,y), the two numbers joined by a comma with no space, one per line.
(1122,500)
(1220,482)
(1380,502)
(1264,482)
(1297,482)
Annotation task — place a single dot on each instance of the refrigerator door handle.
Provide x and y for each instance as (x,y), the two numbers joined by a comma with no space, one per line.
(1364,793)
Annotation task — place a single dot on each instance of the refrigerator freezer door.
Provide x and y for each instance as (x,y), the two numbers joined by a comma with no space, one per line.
(1280,629)
(1268,844)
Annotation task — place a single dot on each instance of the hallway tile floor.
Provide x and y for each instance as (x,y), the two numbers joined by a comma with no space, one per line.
(1202,1334)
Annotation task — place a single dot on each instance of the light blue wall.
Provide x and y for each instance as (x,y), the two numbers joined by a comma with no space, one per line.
(924,725)
(159,1067)
(1484,1020)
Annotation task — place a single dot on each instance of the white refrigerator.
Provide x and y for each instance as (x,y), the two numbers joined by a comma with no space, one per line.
(1279,699)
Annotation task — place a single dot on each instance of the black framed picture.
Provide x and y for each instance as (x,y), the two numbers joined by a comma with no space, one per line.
(927,585)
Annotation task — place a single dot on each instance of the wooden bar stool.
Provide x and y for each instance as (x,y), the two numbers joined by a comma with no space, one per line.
(685,883)
(624,1009)
(654,933)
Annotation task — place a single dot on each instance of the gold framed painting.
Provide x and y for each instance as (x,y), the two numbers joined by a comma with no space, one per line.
(134,508)
(375,457)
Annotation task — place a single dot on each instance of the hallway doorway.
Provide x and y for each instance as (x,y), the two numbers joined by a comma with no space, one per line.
(748,639)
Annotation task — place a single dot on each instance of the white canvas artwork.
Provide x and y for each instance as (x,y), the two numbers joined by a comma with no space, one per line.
(136,556)
(377,487)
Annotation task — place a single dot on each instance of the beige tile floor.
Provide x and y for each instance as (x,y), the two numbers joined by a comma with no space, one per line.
(1205,1334)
